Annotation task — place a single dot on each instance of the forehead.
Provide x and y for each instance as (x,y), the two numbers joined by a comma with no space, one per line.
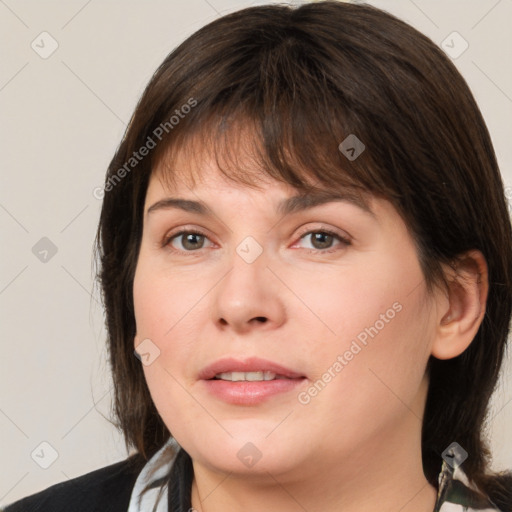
(214,187)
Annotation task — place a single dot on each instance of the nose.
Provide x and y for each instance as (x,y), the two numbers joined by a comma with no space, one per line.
(248,298)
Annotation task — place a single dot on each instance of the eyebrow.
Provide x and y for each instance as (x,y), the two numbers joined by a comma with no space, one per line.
(285,207)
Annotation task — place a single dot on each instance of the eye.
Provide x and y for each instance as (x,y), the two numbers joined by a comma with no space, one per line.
(192,241)
(323,239)
(189,240)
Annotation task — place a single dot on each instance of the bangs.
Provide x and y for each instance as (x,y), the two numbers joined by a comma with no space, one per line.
(249,149)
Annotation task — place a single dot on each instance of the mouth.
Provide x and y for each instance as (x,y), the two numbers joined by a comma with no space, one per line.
(251,369)
(248,376)
(249,382)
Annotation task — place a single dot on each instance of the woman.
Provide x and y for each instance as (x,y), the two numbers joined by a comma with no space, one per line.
(293,243)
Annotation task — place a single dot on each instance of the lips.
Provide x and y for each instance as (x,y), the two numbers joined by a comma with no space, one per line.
(235,388)
(253,364)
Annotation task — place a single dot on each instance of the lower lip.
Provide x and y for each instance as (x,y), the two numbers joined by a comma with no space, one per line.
(250,392)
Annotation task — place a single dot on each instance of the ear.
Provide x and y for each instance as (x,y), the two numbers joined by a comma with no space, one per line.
(460,316)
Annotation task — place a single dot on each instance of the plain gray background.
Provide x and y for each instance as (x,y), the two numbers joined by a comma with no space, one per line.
(62,116)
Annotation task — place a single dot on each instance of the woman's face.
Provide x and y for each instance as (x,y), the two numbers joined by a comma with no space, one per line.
(326,293)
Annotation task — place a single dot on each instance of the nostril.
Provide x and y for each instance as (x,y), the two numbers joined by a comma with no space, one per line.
(261,319)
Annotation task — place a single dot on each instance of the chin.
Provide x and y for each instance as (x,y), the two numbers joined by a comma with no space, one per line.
(247,455)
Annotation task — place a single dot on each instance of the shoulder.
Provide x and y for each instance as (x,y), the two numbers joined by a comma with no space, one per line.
(107,489)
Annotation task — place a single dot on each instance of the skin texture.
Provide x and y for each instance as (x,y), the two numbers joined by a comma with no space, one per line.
(356,444)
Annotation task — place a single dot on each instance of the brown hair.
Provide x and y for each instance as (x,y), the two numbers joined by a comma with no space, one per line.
(302,80)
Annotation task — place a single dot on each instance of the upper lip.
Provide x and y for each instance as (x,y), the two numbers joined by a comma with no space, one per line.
(253,364)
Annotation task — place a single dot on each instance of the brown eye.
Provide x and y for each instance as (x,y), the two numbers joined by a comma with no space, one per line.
(323,239)
(189,241)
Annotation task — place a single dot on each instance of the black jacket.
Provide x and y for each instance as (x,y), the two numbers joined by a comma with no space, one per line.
(107,489)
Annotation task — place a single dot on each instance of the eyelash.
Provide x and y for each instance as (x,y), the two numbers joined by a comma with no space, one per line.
(168,239)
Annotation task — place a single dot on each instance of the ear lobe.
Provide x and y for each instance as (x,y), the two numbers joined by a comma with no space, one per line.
(458,324)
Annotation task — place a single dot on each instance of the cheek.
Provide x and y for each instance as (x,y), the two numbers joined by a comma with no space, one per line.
(377,343)
(368,389)
(167,313)
(160,301)
(361,302)
(171,399)
(382,365)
